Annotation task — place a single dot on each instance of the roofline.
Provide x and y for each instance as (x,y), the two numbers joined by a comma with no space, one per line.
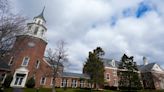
(5,69)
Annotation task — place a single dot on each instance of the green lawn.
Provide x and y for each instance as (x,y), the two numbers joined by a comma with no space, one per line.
(58,90)
(75,90)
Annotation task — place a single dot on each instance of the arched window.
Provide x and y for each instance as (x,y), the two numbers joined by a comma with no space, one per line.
(39,22)
(36,30)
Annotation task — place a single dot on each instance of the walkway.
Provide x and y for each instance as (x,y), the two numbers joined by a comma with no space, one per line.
(17,90)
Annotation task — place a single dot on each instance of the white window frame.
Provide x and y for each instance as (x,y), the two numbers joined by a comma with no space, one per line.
(74,83)
(24,61)
(4,77)
(52,81)
(115,82)
(64,82)
(82,83)
(107,76)
(37,64)
(11,61)
(41,81)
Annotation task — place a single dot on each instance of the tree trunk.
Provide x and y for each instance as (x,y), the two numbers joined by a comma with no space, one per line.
(53,86)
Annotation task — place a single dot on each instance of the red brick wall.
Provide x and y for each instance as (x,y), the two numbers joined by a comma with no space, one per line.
(112,76)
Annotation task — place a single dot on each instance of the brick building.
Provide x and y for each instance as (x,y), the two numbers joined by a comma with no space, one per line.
(27,60)
(152,75)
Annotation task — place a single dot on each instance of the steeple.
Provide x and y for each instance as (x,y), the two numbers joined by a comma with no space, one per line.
(37,27)
(41,15)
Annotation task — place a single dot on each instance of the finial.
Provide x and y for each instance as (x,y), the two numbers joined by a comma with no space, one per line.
(43,10)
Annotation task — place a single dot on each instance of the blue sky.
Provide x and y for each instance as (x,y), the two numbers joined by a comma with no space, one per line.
(134,27)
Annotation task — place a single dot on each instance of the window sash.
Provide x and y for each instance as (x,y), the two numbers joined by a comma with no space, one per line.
(43,81)
(25,61)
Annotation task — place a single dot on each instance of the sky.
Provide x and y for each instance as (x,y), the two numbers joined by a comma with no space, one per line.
(133,27)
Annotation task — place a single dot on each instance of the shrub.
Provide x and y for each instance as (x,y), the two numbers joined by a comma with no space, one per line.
(30,83)
(7,81)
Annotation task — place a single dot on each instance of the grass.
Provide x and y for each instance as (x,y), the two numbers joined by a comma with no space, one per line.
(74,90)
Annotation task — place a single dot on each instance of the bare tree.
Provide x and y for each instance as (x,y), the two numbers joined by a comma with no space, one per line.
(10,26)
(57,57)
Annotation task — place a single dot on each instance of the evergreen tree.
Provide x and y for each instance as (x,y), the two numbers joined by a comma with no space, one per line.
(128,74)
(30,83)
(94,67)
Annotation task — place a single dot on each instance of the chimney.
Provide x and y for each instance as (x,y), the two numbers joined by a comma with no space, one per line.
(145,62)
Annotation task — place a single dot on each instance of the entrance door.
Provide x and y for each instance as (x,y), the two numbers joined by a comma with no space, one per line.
(19,79)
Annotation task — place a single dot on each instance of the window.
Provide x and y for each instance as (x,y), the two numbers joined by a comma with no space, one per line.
(114,72)
(19,79)
(39,22)
(115,82)
(42,32)
(37,64)
(36,30)
(52,80)
(74,83)
(29,28)
(11,61)
(3,77)
(25,61)
(64,83)
(81,83)
(43,81)
(107,76)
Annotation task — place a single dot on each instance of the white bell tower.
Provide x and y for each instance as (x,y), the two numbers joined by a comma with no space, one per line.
(37,27)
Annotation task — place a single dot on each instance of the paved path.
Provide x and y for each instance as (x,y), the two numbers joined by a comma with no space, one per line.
(17,90)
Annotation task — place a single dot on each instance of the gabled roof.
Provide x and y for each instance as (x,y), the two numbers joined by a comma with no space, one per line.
(75,75)
(108,63)
(146,68)
(53,63)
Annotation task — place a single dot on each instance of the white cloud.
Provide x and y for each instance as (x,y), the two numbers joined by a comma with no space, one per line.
(86,24)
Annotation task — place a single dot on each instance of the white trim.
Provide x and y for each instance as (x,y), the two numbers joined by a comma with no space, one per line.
(107,76)
(37,64)
(110,68)
(74,83)
(46,61)
(11,60)
(27,61)
(21,70)
(115,82)
(82,83)
(41,81)
(65,83)
(51,81)
(3,80)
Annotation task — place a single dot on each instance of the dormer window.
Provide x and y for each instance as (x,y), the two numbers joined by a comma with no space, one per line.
(113,63)
(25,61)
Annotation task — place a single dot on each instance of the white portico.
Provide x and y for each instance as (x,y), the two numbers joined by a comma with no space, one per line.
(19,78)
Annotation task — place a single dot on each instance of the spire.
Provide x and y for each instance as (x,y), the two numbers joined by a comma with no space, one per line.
(41,15)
